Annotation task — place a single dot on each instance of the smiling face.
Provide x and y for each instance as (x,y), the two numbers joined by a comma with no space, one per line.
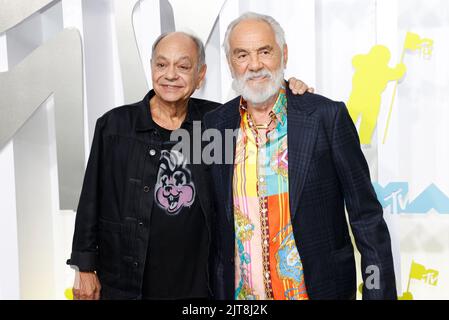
(256,60)
(174,68)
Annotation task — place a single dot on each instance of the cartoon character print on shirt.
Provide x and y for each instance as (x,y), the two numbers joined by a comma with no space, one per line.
(174,188)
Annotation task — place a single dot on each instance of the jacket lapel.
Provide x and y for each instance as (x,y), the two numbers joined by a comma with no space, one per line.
(231,120)
(302,134)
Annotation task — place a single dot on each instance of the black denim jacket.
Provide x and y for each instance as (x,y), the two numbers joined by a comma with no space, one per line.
(112,222)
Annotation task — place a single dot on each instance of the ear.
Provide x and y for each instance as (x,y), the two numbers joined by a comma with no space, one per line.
(201,76)
(285,53)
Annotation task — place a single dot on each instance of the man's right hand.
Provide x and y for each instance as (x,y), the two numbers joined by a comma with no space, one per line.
(86,287)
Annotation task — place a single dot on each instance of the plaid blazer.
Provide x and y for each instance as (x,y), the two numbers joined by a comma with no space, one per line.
(327,170)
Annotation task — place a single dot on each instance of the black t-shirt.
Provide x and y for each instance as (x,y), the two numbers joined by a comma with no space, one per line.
(176,261)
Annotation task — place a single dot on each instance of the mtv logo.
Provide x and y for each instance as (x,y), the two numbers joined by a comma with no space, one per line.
(431,278)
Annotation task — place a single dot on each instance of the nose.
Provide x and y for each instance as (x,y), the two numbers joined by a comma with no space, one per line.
(171,74)
(254,62)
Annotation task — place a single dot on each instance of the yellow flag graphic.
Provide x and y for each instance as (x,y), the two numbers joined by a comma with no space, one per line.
(415,42)
(419,272)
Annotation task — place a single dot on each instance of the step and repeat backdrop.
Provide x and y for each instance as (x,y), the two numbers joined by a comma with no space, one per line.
(63,63)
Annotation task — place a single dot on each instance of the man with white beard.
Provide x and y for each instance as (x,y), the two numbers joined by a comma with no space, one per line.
(281,232)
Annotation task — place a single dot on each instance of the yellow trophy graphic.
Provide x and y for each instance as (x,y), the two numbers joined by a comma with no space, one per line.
(372,74)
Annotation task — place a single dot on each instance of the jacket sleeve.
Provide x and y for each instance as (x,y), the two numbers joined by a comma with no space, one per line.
(365,213)
(84,246)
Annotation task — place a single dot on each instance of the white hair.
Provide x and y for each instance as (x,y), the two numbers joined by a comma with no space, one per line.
(277,29)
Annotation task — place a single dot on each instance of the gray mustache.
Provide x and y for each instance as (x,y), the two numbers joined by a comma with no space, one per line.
(251,75)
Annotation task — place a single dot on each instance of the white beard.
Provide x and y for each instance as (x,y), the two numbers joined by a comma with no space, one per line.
(261,92)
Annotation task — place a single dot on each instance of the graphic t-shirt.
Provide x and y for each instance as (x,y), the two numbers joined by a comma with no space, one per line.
(176,260)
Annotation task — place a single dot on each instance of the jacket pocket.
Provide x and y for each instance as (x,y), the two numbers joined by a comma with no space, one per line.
(109,246)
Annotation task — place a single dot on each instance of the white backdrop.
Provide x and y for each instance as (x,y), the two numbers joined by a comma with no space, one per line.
(409,171)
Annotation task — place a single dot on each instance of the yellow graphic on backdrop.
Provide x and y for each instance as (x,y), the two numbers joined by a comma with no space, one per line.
(417,272)
(413,42)
(68,293)
(420,272)
(371,76)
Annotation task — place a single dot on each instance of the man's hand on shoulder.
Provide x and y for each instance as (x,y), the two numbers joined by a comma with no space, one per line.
(299,87)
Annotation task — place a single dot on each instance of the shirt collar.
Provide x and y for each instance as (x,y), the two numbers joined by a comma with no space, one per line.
(279,109)
(146,123)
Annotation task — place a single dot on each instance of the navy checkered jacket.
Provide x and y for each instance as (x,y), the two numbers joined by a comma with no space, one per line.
(327,171)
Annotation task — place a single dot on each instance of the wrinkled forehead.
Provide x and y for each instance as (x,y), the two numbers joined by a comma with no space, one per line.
(252,34)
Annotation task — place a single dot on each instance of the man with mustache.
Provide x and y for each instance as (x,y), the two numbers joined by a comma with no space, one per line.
(143,224)
(281,232)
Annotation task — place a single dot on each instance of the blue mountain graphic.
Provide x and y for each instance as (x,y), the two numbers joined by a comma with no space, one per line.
(431,198)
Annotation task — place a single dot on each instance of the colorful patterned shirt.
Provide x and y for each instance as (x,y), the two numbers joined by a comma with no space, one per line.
(267,264)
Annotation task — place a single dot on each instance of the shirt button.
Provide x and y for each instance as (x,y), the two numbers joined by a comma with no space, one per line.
(146,189)
(261,179)
(267,275)
(136,264)
(152,152)
(140,224)
(265,242)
